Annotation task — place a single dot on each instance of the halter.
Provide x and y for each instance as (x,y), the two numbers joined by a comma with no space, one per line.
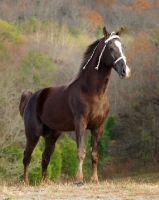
(112,36)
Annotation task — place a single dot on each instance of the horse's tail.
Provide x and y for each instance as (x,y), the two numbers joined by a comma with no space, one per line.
(24,100)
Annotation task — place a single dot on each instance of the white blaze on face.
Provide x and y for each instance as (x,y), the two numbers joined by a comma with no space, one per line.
(118,44)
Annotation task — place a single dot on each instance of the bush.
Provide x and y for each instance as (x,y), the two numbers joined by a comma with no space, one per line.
(31,25)
(109,125)
(99,32)
(9,33)
(34,174)
(126,30)
(54,167)
(11,166)
(36,70)
(69,156)
(75,31)
(3,52)
(107,135)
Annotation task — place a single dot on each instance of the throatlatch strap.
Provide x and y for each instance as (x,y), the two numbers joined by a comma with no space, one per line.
(91,56)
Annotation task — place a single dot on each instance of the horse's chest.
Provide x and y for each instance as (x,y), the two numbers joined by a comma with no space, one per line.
(98,113)
(99,110)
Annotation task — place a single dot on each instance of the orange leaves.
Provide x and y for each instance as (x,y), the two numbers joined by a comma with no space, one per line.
(156,3)
(93,18)
(141,4)
(140,54)
(140,47)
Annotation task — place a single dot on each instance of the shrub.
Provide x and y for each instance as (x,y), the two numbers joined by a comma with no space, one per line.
(11,166)
(35,165)
(75,31)
(9,32)
(99,32)
(31,25)
(69,156)
(109,124)
(107,135)
(36,70)
(3,52)
(126,30)
(54,167)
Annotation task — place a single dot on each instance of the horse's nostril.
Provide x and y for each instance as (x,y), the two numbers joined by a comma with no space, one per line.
(123,72)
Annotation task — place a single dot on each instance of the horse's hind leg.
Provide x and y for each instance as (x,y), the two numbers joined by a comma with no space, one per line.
(50,137)
(30,145)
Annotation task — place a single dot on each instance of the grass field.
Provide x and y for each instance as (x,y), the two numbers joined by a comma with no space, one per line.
(117,189)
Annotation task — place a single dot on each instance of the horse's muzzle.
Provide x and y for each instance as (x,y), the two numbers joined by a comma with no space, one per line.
(125,72)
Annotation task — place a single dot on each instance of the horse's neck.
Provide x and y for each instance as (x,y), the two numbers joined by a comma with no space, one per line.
(96,81)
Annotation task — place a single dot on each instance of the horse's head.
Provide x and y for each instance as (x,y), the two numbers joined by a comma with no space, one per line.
(114,53)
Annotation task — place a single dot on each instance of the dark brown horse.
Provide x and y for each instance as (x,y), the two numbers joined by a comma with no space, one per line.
(76,106)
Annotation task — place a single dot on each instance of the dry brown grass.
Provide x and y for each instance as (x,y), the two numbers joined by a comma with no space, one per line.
(112,190)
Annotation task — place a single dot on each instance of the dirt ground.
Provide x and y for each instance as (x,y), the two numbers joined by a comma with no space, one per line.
(108,190)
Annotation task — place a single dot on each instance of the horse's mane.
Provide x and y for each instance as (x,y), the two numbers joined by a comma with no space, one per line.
(87,54)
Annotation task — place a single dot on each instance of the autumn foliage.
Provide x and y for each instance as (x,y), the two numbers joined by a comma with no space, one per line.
(140,52)
(141,4)
(95,19)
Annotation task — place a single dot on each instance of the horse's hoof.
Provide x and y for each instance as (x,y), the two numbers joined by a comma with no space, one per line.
(25,183)
(79,184)
(94,180)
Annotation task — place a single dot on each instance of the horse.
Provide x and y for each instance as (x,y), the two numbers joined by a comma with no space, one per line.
(79,104)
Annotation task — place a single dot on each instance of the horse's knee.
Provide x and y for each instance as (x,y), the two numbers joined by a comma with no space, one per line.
(94,157)
(81,154)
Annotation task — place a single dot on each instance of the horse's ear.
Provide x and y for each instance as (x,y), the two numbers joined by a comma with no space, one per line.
(105,33)
(120,32)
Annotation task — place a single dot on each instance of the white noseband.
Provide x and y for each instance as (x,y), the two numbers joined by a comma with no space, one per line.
(121,57)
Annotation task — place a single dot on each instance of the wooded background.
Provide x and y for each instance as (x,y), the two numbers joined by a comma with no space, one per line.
(41,44)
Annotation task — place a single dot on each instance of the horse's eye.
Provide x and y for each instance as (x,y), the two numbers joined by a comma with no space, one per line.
(111,49)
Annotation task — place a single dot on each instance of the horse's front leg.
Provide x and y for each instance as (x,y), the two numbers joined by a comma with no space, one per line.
(95,138)
(80,127)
